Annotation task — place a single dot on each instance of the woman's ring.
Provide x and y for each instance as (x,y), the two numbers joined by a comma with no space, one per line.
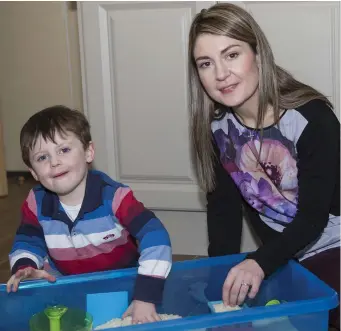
(246,284)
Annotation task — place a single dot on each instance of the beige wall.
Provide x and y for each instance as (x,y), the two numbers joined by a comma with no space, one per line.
(39,66)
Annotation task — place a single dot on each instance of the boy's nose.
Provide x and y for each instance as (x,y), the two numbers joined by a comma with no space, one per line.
(54,161)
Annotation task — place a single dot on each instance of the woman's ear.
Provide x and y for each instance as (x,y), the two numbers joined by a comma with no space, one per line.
(258,60)
(257,57)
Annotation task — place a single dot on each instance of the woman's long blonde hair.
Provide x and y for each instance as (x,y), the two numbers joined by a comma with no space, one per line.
(276,86)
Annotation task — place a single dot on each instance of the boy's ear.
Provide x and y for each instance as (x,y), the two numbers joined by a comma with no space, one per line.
(90,152)
(33,174)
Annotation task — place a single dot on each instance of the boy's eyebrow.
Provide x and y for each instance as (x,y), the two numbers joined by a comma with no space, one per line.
(221,52)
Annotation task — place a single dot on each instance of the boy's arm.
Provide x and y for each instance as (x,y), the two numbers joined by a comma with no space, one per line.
(155,248)
(29,247)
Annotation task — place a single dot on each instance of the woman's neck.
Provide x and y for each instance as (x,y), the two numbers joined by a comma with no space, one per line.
(248,113)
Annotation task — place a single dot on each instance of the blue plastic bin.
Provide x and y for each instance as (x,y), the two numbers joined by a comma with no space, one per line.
(189,288)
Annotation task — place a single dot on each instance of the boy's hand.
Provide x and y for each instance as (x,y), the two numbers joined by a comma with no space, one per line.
(142,312)
(29,272)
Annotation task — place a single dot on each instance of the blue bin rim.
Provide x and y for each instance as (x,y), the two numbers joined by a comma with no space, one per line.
(301,307)
(111,274)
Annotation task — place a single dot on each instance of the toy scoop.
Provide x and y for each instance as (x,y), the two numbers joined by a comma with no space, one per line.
(61,318)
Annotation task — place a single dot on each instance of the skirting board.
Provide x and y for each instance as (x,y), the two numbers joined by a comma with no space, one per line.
(17,174)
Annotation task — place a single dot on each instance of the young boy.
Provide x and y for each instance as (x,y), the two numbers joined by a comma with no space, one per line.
(79,220)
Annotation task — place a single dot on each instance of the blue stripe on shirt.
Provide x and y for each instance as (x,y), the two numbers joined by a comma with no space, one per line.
(85,226)
(30,244)
(139,222)
(154,238)
(154,224)
(30,230)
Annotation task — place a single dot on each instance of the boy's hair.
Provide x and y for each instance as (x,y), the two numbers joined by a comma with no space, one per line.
(47,122)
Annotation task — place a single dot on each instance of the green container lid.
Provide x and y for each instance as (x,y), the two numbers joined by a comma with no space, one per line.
(61,318)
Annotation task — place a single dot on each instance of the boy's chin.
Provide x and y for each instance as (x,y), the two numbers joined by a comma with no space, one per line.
(58,191)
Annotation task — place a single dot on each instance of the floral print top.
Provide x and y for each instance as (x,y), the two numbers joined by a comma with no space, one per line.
(267,174)
(270,185)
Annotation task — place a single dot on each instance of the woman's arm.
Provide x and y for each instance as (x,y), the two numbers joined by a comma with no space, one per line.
(318,166)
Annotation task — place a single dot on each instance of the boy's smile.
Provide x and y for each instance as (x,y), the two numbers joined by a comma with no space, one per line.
(60,174)
(61,166)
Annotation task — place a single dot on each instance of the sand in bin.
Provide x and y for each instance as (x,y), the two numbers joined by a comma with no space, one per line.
(117,322)
(221,308)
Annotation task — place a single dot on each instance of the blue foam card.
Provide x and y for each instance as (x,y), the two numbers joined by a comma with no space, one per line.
(106,306)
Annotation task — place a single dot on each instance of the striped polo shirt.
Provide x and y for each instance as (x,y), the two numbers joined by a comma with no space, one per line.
(102,237)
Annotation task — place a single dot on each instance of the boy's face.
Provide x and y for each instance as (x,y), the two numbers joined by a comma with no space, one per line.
(61,167)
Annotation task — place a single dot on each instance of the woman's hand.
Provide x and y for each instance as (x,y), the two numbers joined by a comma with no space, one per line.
(242,280)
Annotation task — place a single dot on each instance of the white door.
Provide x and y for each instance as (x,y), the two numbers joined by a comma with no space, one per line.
(134,71)
(305,38)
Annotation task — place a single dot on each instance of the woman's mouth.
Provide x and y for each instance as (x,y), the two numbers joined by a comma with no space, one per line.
(228,89)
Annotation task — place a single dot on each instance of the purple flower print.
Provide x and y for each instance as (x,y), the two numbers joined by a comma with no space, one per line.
(270,185)
(276,165)
(259,195)
(226,146)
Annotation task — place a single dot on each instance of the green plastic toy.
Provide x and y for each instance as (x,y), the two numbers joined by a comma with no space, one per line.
(273,302)
(61,318)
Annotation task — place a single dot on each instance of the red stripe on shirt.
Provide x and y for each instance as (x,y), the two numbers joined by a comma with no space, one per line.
(129,209)
(118,258)
(27,216)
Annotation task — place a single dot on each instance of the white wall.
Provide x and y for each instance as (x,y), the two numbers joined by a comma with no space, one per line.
(35,62)
(188,232)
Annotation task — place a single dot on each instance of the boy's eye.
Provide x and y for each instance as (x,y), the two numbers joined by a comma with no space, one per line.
(42,158)
(65,150)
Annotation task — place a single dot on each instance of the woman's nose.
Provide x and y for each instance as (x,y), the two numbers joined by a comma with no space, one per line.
(222,71)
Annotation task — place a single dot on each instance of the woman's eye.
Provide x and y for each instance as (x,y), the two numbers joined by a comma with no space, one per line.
(204,65)
(233,55)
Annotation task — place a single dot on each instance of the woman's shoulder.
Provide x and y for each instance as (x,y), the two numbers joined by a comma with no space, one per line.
(318,111)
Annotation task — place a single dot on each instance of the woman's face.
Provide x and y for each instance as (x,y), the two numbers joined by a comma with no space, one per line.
(227,69)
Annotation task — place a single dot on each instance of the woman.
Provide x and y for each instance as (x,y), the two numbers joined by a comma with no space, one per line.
(265,141)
